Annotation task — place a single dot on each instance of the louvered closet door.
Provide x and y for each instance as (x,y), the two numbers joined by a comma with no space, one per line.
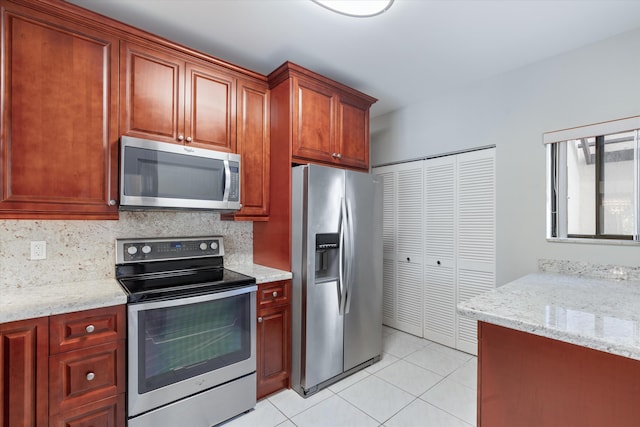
(476,236)
(409,248)
(389,245)
(440,237)
(409,244)
(402,240)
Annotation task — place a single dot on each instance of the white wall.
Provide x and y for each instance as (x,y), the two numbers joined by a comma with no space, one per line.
(512,111)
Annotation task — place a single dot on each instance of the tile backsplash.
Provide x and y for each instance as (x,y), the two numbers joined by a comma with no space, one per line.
(85,250)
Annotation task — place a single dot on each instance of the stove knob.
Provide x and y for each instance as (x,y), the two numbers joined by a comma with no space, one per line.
(132,250)
(146,249)
(214,245)
(203,246)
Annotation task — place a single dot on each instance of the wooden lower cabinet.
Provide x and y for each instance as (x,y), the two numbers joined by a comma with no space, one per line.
(526,380)
(273,337)
(24,376)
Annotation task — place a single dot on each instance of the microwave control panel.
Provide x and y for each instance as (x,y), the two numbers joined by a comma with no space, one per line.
(234,188)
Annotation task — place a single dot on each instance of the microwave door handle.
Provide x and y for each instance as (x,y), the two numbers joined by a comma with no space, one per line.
(227,181)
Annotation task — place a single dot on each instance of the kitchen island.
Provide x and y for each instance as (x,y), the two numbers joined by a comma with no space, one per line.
(558,350)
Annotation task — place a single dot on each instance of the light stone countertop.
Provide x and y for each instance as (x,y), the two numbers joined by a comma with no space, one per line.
(600,314)
(260,272)
(49,299)
(45,300)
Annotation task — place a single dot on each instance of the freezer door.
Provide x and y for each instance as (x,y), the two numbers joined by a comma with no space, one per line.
(363,318)
(321,287)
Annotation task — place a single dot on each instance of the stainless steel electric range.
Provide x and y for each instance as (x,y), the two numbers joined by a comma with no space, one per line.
(191,332)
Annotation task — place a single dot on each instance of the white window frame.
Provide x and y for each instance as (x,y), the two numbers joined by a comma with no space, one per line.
(560,138)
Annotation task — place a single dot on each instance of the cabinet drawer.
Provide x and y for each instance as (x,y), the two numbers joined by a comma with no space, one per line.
(73,331)
(273,293)
(107,412)
(84,376)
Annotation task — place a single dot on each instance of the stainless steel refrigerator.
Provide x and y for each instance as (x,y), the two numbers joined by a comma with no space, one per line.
(337,275)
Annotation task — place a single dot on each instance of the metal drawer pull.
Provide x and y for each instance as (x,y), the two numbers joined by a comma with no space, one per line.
(90,328)
(275,294)
(259,319)
(90,376)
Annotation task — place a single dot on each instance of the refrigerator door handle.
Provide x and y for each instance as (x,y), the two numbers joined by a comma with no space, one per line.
(342,260)
(350,257)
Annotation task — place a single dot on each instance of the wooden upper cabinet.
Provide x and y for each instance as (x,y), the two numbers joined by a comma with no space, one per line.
(152,93)
(314,121)
(353,132)
(166,97)
(59,143)
(330,121)
(254,147)
(210,108)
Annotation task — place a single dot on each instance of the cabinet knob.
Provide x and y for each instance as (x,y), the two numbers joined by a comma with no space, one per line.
(112,202)
(334,155)
(408,259)
(180,137)
(91,376)
(90,328)
(438,262)
(275,294)
(189,139)
(259,319)
(339,155)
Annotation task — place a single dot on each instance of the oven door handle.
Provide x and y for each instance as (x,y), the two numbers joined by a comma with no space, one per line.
(175,302)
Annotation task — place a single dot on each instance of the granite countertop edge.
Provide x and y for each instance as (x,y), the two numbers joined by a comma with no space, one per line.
(262,273)
(491,308)
(22,303)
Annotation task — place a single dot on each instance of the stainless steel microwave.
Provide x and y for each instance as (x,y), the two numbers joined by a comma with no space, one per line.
(160,175)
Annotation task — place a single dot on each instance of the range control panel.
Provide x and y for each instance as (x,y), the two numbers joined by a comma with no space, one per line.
(159,249)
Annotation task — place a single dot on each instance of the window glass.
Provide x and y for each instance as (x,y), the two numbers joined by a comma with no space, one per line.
(617,216)
(581,194)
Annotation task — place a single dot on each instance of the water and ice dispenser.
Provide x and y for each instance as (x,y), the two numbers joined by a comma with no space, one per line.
(327,256)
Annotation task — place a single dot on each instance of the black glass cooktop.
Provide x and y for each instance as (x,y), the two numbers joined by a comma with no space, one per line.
(169,280)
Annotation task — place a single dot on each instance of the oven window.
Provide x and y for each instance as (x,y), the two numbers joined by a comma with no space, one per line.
(176,343)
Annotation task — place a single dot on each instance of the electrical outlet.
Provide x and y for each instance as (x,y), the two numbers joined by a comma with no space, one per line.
(38,250)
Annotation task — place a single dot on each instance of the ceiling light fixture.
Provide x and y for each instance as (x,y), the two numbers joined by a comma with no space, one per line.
(356,8)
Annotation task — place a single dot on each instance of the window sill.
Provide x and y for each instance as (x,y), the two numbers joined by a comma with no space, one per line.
(610,242)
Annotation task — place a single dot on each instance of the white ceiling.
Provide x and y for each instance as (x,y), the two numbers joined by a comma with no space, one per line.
(416,49)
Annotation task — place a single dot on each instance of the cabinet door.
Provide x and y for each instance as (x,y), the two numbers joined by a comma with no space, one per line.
(313,121)
(352,144)
(273,338)
(152,93)
(24,376)
(59,143)
(253,145)
(210,108)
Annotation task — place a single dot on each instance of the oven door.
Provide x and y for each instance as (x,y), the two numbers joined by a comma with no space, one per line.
(180,347)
